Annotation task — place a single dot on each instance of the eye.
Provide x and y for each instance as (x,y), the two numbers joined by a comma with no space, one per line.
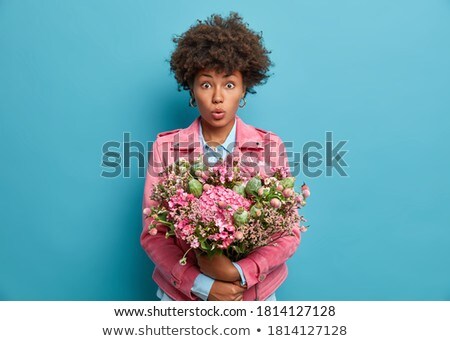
(230,85)
(205,85)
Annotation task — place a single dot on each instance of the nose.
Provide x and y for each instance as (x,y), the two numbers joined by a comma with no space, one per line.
(217,96)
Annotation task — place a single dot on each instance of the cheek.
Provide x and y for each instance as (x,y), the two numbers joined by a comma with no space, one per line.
(201,101)
(237,100)
(202,106)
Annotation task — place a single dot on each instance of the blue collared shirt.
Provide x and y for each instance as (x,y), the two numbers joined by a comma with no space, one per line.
(221,151)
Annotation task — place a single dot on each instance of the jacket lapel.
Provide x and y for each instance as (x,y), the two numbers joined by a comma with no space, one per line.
(186,142)
(247,139)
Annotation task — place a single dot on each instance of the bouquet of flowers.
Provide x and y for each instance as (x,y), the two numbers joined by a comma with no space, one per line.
(222,209)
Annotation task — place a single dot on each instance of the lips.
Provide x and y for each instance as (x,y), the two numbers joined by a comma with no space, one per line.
(218,114)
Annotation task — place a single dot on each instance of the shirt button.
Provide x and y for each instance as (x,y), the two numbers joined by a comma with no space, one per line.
(175,283)
(262,277)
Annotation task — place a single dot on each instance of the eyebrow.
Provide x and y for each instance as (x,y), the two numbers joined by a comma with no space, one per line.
(208,75)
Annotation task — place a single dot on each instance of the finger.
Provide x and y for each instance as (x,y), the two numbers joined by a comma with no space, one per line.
(239,289)
(239,284)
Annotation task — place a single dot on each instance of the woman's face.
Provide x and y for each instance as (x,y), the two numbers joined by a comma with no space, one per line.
(217,96)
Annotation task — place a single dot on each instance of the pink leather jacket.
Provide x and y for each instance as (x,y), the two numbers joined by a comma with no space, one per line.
(265,268)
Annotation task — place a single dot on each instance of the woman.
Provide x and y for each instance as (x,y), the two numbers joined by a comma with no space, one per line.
(219,61)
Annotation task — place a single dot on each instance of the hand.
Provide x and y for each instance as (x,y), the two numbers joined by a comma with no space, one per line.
(226,291)
(218,267)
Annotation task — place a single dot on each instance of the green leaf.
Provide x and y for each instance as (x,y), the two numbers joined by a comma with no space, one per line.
(204,245)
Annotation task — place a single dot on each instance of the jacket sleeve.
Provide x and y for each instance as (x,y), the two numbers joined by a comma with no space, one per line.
(164,252)
(259,263)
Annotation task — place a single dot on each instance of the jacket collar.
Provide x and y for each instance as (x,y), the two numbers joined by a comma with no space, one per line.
(247,136)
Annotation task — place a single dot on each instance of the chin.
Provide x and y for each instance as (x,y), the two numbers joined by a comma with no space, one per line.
(218,123)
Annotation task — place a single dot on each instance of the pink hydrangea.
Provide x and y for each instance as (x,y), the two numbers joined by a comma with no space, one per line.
(221,215)
(211,211)
(184,228)
(180,199)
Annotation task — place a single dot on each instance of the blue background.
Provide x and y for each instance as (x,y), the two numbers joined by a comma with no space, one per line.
(76,74)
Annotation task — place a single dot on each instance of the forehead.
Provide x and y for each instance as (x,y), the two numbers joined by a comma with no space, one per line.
(219,75)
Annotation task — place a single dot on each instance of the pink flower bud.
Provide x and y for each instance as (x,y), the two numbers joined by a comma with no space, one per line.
(303,229)
(198,172)
(305,190)
(239,235)
(275,203)
(223,205)
(153,231)
(288,192)
(299,199)
(146,211)
(280,188)
(206,187)
(261,191)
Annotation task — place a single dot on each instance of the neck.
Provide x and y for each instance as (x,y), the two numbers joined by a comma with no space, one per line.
(215,136)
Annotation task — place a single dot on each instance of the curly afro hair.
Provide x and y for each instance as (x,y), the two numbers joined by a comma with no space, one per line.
(224,45)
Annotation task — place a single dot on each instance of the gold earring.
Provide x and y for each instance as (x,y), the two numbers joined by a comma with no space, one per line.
(242,105)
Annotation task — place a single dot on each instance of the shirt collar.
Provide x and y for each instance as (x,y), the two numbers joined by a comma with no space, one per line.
(229,142)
